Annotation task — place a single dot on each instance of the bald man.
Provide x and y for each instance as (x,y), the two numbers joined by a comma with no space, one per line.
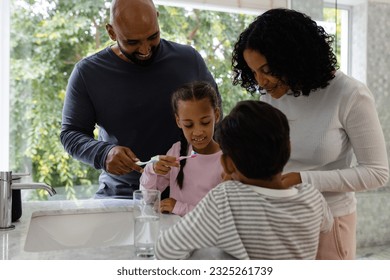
(125,90)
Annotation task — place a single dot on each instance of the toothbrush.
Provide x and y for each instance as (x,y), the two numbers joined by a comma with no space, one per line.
(157,158)
(192,155)
(152,159)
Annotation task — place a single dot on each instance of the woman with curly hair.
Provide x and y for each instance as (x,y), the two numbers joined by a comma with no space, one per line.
(289,59)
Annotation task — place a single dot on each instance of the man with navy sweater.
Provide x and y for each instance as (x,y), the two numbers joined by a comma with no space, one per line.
(125,90)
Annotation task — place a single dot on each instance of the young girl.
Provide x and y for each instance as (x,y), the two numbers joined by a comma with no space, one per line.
(196,111)
(253,215)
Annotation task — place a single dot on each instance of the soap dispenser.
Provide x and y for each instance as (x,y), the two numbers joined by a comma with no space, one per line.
(17,198)
(16,205)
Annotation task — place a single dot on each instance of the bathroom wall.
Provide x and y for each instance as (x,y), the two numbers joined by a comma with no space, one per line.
(359,41)
(378,60)
(371,43)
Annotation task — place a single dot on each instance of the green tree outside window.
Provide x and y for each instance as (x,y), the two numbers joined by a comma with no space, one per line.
(49,37)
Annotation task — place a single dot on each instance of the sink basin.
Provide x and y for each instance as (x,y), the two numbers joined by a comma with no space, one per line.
(60,230)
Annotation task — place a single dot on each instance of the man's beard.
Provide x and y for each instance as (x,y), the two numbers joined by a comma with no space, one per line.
(133,58)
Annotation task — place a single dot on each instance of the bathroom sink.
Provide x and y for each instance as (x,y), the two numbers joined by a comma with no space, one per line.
(59,230)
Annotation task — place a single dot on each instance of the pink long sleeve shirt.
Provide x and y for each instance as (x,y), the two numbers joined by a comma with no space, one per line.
(201,174)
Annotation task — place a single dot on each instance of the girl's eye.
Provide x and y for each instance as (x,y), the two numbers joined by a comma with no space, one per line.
(205,123)
(188,125)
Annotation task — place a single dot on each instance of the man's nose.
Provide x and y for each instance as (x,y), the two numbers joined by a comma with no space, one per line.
(144,49)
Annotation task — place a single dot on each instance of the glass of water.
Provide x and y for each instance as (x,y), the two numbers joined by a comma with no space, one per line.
(147,222)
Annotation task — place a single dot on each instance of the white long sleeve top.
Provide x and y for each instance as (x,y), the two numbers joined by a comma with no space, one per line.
(327,129)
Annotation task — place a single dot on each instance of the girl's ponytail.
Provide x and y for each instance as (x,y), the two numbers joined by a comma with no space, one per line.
(183,152)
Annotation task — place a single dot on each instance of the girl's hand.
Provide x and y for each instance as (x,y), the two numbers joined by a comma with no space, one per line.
(163,166)
(167,205)
(291,179)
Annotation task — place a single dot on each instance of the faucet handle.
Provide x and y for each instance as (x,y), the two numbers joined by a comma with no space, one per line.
(17,176)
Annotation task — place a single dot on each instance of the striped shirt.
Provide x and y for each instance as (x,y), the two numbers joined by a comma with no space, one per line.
(250,222)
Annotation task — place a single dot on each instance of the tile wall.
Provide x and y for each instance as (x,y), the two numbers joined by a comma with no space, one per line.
(372,18)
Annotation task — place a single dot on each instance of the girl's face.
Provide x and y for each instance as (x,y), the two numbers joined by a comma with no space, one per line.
(259,66)
(197,119)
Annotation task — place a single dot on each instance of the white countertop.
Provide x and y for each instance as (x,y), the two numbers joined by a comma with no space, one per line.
(12,241)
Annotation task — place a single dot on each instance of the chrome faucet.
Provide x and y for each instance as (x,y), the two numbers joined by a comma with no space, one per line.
(6,187)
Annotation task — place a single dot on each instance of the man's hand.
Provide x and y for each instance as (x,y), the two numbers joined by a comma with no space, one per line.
(120,160)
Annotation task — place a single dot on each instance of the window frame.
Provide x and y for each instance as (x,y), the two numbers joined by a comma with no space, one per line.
(4,83)
(346,39)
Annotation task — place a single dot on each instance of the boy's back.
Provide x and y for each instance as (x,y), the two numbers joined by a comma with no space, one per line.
(253,215)
(251,222)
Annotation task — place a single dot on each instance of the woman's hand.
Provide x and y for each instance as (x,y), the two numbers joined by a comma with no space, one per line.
(167,205)
(291,179)
(164,164)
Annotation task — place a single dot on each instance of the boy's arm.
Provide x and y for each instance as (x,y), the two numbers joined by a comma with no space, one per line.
(182,208)
(198,229)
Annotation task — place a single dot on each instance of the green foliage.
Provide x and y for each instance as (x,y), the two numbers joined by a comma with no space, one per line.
(49,37)
(213,34)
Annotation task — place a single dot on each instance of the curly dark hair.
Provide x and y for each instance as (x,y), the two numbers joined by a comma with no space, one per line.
(256,136)
(298,51)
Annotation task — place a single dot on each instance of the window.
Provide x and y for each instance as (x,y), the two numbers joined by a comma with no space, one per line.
(337,22)
(48,37)
(4,85)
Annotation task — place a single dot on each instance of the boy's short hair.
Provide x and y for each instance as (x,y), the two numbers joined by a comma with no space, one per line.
(255,135)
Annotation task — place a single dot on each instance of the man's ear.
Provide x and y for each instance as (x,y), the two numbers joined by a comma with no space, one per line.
(177,121)
(228,165)
(111,32)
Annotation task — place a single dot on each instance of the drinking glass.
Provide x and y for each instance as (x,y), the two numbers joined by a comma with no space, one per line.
(147,221)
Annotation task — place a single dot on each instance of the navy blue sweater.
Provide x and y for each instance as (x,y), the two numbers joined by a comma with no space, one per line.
(130,105)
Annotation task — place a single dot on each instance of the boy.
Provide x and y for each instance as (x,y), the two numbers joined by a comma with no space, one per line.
(252,215)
